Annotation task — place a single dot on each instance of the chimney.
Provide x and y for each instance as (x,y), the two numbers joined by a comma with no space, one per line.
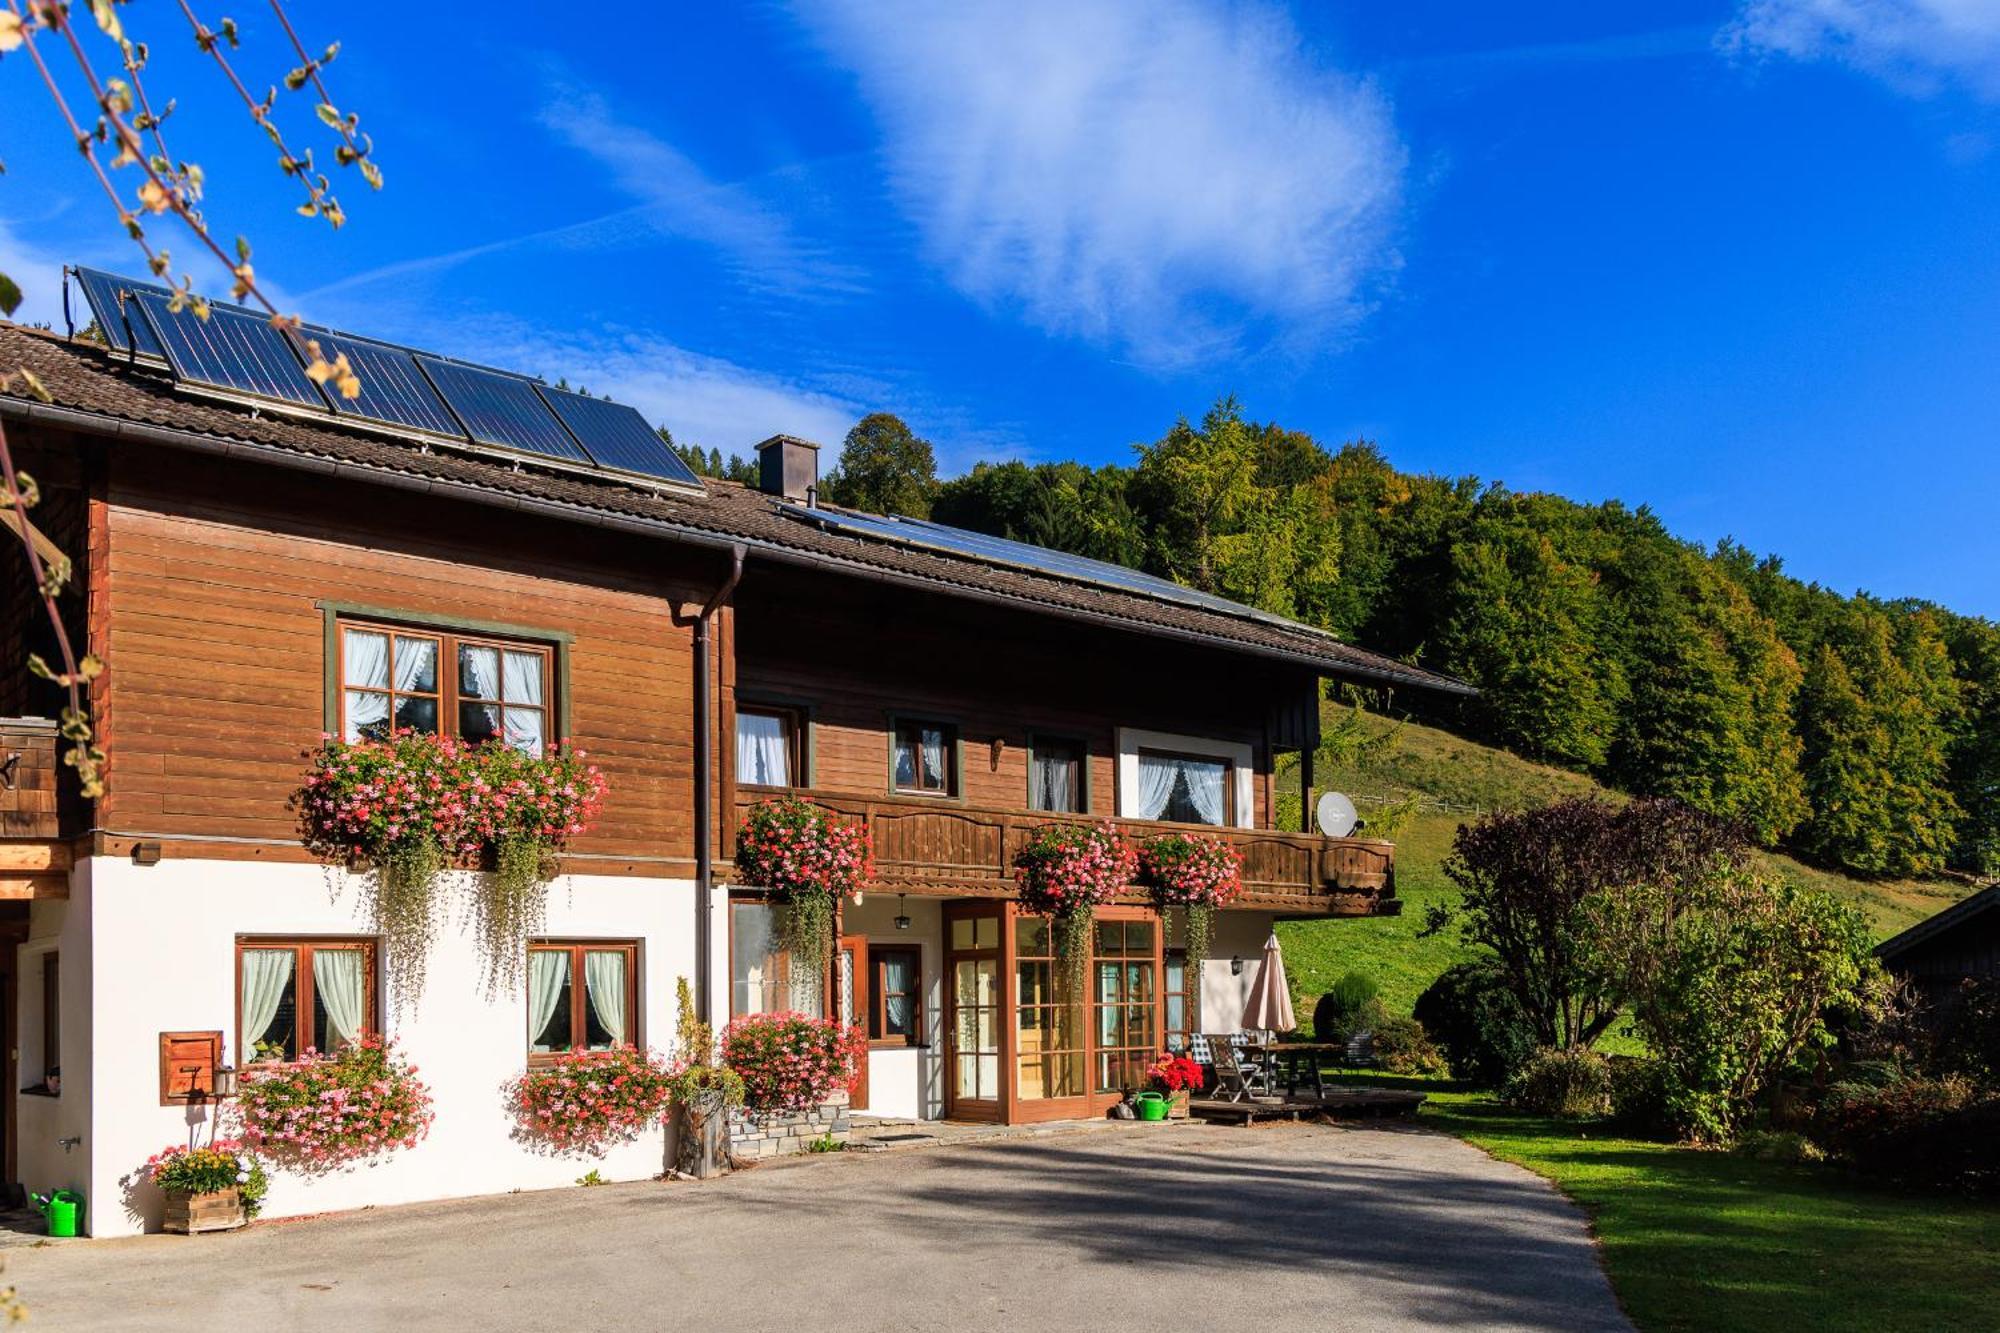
(788,466)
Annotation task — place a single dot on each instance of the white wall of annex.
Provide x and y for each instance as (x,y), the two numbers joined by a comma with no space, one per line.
(163,959)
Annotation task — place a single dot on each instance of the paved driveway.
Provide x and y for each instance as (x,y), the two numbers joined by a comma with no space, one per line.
(1166,1227)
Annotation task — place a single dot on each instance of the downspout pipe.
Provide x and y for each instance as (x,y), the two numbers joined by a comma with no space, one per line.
(704,786)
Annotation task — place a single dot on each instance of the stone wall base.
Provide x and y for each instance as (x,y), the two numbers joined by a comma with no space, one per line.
(754,1135)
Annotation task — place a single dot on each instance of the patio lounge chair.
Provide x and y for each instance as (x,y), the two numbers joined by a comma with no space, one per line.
(1235,1078)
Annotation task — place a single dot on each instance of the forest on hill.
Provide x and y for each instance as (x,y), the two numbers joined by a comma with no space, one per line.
(1856,731)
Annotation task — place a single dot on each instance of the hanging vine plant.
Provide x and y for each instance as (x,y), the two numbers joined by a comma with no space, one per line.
(413,805)
(528,808)
(808,860)
(1064,873)
(1198,874)
(397,806)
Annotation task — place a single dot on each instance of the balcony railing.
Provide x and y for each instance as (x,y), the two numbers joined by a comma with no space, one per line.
(33,862)
(945,849)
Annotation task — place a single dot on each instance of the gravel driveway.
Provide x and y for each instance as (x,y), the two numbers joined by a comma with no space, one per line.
(1180,1227)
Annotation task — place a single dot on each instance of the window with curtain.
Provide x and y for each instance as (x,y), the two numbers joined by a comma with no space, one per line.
(302,994)
(1174,990)
(396,679)
(1055,775)
(926,758)
(583,995)
(762,976)
(1185,788)
(768,747)
(51,1015)
(896,1005)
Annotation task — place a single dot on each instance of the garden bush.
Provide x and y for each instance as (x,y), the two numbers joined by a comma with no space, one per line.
(1574,1084)
(789,1061)
(1639,1097)
(1476,1021)
(1928,1131)
(1779,1145)
(1403,1047)
(1340,1011)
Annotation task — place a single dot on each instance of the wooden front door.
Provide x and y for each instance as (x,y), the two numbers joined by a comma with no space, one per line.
(976,1049)
(851,986)
(1078,1054)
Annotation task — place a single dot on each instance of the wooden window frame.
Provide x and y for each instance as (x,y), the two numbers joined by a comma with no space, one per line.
(954,764)
(1036,740)
(302,947)
(448,697)
(51,1014)
(579,1014)
(1228,780)
(798,722)
(878,1033)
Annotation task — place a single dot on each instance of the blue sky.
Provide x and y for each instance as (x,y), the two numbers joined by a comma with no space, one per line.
(1737,262)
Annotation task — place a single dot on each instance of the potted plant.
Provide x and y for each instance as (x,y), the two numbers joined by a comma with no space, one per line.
(1173,1077)
(586,1101)
(792,1062)
(702,1094)
(322,1112)
(1198,874)
(808,860)
(1064,872)
(526,808)
(217,1188)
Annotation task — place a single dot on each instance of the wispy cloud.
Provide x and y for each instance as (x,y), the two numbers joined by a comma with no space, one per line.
(1917,46)
(1162,176)
(1656,44)
(36,272)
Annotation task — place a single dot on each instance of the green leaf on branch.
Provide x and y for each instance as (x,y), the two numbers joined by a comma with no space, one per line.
(10,295)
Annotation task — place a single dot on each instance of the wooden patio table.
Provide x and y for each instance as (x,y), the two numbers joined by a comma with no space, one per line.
(1299,1060)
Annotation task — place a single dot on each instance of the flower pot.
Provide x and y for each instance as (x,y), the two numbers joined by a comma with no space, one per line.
(189,1214)
(1177,1105)
(1150,1106)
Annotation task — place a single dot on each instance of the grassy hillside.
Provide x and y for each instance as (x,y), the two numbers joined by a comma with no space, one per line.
(1444,768)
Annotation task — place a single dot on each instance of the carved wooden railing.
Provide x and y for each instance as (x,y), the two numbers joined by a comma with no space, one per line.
(33,862)
(943,848)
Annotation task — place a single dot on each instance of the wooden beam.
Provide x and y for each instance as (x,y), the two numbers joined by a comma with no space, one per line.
(33,856)
(16,887)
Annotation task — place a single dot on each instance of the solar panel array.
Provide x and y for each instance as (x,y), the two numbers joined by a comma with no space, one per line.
(240,353)
(924,534)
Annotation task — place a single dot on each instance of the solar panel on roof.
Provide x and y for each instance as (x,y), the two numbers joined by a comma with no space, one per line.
(617,436)
(982,546)
(502,409)
(231,349)
(101,291)
(393,390)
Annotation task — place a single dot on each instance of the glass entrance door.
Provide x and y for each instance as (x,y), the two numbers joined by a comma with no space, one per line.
(975,1000)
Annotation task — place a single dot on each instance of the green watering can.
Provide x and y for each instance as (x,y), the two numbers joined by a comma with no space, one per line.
(63,1208)
(1150,1106)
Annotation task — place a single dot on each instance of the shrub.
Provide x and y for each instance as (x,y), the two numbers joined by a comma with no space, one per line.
(220,1166)
(1574,1084)
(1639,1097)
(1779,1145)
(1968,1032)
(589,1100)
(1933,1131)
(1403,1047)
(1339,1012)
(326,1111)
(1472,1015)
(790,1062)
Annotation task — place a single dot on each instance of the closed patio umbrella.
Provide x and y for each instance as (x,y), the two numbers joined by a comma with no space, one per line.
(1269,1008)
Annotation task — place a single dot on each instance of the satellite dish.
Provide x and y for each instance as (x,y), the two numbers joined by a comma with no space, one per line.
(1336,815)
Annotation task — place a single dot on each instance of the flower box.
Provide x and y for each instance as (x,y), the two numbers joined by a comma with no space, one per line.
(1177,1105)
(190,1214)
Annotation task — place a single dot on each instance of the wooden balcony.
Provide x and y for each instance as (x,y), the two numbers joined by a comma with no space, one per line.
(945,849)
(34,862)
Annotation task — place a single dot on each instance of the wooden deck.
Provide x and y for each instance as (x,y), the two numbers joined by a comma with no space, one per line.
(953,850)
(1338,1102)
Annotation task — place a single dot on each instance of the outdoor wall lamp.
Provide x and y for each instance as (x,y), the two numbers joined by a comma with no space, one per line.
(224,1081)
(902,918)
(1236,966)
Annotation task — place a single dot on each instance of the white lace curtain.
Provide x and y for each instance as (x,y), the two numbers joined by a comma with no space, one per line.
(340,978)
(604,982)
(548,977)
(1052,780)
(267,974)
(762,757)
(1198,781)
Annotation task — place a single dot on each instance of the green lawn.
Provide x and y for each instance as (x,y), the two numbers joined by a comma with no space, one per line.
(1711,1241)
(1446,768)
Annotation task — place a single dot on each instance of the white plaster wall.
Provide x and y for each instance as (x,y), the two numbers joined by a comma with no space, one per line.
(164,960)
(44,1163)
(1224,990)
(906,1082)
